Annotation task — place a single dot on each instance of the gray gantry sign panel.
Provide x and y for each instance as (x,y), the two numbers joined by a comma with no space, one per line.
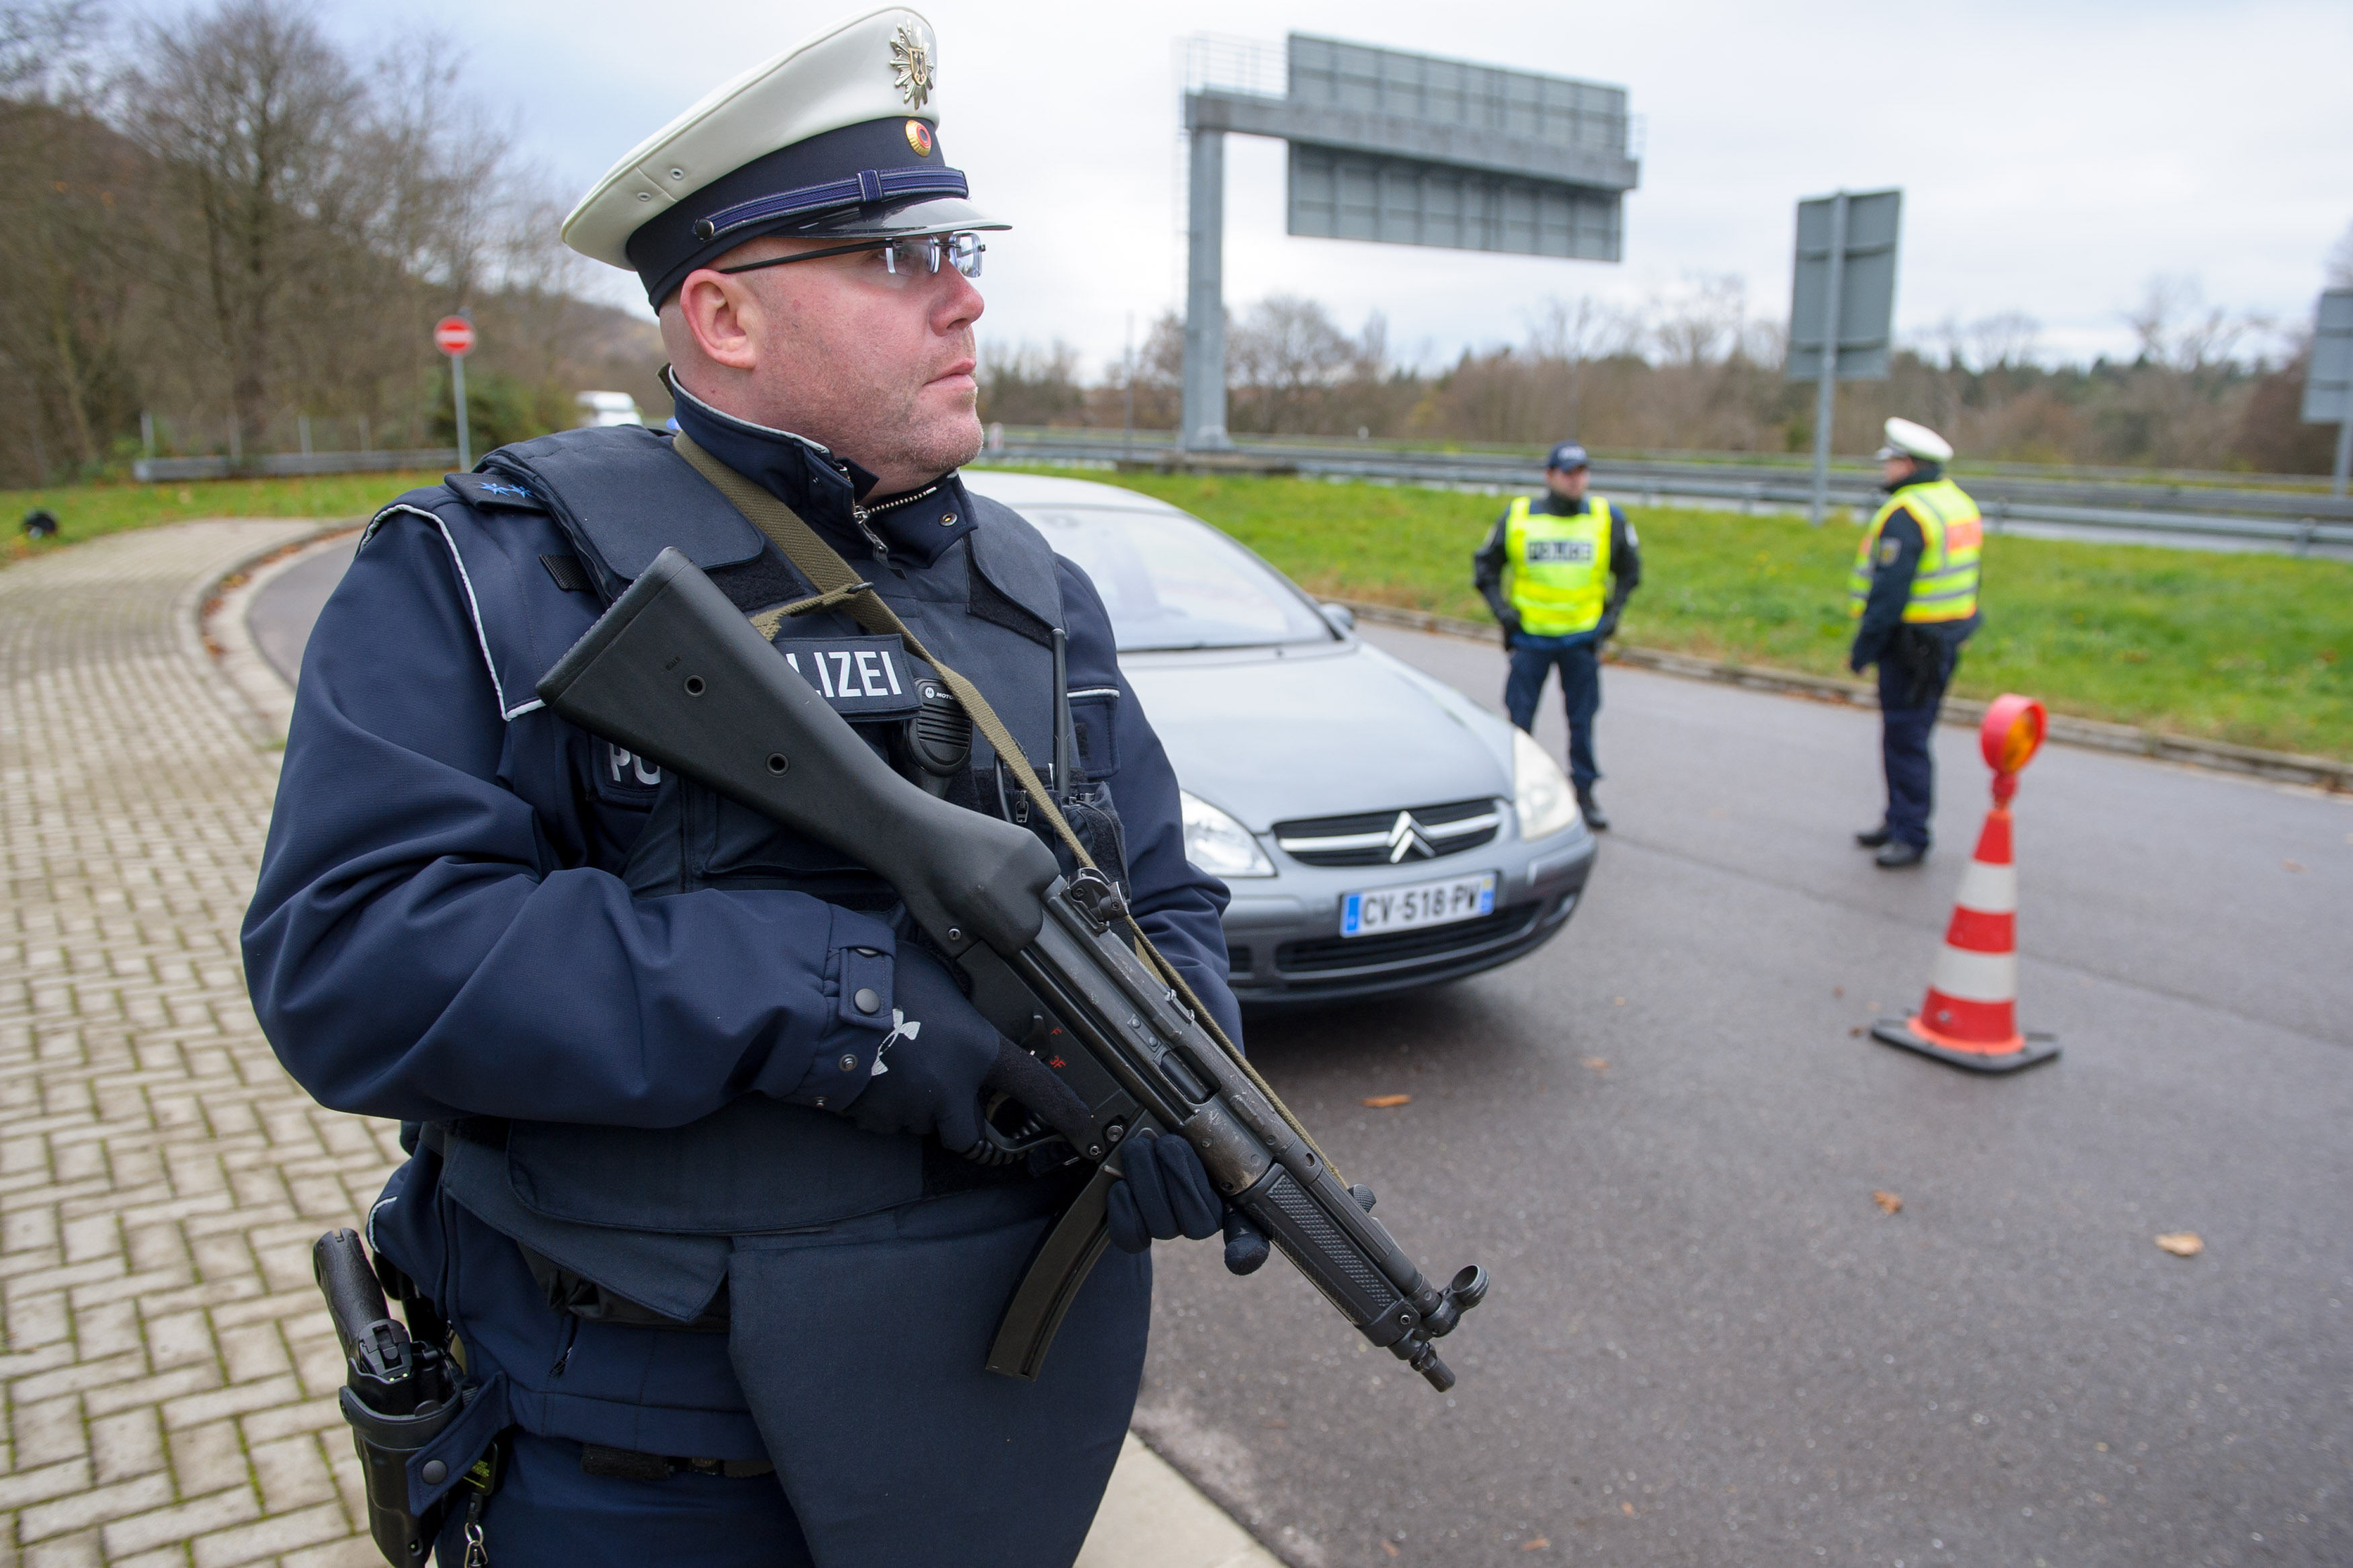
(1866,286)
(2329,378)
(1412,150)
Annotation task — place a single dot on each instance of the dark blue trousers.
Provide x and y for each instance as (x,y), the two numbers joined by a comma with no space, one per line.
(1579,664)
(1909,702)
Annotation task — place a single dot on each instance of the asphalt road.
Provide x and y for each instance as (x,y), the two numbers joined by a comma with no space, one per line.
(1707,1343)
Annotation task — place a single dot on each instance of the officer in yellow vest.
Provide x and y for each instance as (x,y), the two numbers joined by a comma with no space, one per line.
(1914,594)
(1556,571)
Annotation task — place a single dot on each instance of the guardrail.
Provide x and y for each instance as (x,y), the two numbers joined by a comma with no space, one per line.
(2298,523)
(283,464)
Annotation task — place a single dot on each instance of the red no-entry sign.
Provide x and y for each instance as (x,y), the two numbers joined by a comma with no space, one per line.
(454,336)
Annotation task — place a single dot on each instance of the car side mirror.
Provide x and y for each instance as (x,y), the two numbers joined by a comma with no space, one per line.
(1340,615)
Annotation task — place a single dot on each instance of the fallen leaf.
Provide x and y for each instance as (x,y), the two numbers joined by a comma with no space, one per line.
(1887,1201)
(1387,1548)
(2182,1243)
(1598,1063)
(2293,866)
(1855,1033)
(1838,990)
(1278,1425)
(1538,1545)
(1387,1101)
(1626,1509)
(1617,1002)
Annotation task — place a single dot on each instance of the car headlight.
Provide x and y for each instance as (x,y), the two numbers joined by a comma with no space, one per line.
(1218,844)
(1540,790)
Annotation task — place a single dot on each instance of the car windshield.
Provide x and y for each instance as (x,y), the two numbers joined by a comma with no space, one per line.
(1173,582)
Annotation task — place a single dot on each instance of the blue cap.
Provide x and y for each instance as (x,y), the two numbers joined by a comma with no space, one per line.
(1566,456)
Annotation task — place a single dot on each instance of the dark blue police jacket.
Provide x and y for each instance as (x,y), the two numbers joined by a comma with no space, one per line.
(619,1007)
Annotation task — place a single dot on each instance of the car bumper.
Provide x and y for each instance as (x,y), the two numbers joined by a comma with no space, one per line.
(1283,934)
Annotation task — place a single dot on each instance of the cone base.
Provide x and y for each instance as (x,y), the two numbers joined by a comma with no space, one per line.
(1907,1033)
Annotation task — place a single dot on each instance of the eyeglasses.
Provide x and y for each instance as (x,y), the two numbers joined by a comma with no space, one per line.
(901,257)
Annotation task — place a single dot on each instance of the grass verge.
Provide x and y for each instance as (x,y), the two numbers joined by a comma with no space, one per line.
(2243,647)
(2251,648)
(84,511)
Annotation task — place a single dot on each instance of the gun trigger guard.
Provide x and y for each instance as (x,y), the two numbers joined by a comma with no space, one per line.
(999,1147)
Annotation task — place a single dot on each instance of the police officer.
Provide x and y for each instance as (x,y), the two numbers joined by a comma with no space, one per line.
(687,1099)
(1913,592)
(1556,571)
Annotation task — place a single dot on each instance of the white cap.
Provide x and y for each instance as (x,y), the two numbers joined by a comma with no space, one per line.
(1906,439)
(837,135)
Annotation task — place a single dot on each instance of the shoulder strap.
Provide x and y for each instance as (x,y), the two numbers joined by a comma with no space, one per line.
(838,584)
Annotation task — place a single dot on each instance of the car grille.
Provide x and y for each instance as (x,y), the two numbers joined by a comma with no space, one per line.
(1238,959)
(1431,941)
(1390,837)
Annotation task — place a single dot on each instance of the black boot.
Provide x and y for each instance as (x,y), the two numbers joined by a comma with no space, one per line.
(1873,838)
(1899,853)
(1595,817)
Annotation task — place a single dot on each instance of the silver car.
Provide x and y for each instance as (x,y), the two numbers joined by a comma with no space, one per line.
(1379,830)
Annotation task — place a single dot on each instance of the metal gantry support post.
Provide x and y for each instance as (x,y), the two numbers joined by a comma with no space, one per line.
(1825,396)
(1205,296)
(2343,452)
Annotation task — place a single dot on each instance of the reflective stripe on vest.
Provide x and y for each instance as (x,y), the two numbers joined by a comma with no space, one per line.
(1559,567)
(1945,587)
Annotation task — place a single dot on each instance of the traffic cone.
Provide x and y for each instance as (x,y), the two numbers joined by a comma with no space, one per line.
(1969,1018)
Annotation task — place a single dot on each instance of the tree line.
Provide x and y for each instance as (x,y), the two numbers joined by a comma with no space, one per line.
(1692,370)
(225,233)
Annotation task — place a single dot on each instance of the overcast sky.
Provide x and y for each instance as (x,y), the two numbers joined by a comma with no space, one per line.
(2054,154)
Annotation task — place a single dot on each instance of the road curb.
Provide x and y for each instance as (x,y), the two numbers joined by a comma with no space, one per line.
(215,611)
(2282,767)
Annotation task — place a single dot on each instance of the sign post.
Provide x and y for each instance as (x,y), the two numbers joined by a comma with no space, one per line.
(454,336)
(1842,304)
(2328,379)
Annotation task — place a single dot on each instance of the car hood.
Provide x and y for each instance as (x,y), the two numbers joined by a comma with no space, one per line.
(1271,734)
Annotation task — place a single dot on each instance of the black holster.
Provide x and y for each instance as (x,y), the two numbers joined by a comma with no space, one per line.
(384,1442)
(397,1394)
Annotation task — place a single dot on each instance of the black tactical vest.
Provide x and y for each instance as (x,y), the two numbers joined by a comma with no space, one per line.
(647,1213)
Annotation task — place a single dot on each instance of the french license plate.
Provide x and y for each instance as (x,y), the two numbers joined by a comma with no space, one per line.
(1418,904)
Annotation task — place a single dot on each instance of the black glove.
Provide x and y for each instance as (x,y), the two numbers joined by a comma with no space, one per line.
(942,1063)
(1511,625)
(1608,627)
(1165,1193)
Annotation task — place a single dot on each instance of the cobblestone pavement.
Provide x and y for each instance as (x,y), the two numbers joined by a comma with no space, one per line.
(169,1377)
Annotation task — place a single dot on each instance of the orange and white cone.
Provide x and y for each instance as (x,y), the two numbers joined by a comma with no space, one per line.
(1969,1018)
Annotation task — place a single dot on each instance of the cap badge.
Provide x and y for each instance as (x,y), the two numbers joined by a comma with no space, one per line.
(919,137)
(911,65)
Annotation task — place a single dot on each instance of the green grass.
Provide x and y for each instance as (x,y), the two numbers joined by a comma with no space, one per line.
(2250,648)
(84,511)
(2243,647)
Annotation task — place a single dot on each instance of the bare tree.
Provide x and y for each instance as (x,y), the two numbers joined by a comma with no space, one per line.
(259,114)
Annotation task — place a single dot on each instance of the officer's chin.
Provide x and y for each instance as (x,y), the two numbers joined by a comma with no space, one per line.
(947,441)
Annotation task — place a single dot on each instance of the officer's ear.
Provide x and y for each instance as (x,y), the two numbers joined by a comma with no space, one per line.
(717,320)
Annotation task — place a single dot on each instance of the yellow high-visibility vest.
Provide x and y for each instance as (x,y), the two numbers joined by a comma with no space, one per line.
(1945,588)
(1559,567)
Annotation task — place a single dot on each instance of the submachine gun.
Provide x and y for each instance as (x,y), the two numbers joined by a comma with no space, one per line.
(675,672)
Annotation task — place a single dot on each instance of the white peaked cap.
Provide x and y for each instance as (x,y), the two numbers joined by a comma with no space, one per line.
(1906,439)
(880,70)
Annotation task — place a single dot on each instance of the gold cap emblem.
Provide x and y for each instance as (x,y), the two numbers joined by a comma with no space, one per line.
(911,66)
(919,137)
